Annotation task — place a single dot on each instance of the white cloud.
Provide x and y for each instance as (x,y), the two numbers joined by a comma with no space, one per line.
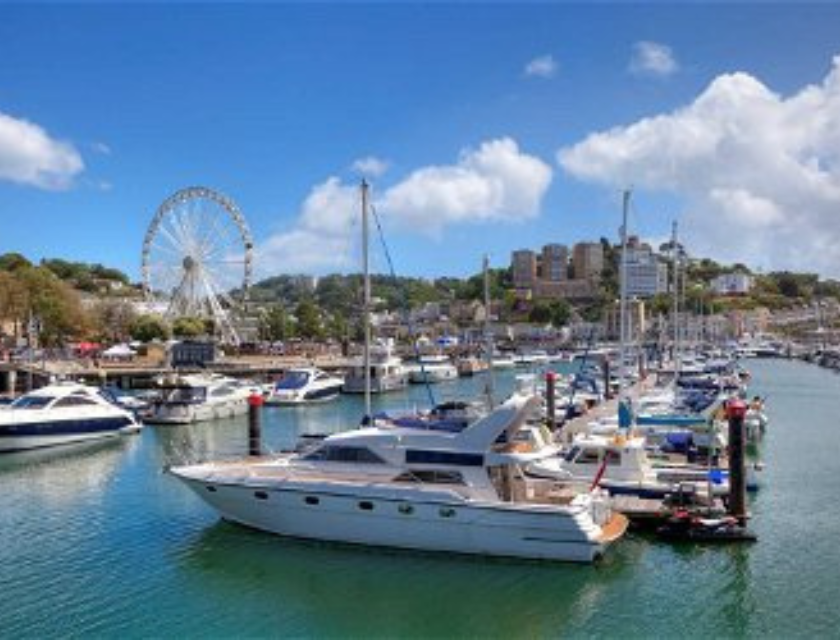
(759,173)
(654,59)
(320,240)
(370,166)
(496,182)
(28,155)
(541,67)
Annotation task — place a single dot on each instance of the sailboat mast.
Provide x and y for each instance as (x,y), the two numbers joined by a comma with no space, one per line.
(366,295)
(622,311)
(488,344)
(675,321)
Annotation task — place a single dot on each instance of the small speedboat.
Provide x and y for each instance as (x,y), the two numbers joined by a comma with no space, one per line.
(61,414)
(305,385)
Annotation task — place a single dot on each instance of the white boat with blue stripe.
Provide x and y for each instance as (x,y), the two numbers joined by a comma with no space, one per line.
(60,414)
(304,385)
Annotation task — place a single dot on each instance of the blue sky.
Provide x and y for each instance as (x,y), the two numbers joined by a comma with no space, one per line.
(726,117)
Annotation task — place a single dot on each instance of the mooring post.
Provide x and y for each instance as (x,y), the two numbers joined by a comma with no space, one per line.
(605,367)
(551,409)
(736,409)
(255,403)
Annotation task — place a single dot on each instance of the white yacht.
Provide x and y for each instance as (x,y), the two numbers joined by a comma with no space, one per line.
(421,489)
(60,414)
(387,372)
(434,368)
(621,466)
(197,397)
(305,385)
(501,361)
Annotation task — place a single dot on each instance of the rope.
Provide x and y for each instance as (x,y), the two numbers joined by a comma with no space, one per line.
(405,306)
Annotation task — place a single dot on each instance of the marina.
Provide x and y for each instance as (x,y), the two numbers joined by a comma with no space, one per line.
(121,545)
(423,320)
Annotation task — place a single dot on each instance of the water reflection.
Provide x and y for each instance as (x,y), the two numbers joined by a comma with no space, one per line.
(60,475)
(332,589)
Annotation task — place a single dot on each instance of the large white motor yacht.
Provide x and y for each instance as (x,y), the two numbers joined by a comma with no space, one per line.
(60,414)
(194,398)
(421,489)
(305,385)
(387,372)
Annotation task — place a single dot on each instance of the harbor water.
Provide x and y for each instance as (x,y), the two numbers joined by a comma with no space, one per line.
(99,541)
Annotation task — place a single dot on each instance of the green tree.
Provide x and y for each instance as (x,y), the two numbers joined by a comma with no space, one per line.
(149,327)
(274,324)
(561,312)
(308,316)
(113,319)
(56,305)
(13,262)
(540,312)
(186,327)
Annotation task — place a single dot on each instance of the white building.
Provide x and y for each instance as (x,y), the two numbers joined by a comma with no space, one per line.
(732,283)
(646,274)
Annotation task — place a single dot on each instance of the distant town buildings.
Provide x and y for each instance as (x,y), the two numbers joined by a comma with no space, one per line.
(732,283)
(588,260)
(524,265)
(552,274)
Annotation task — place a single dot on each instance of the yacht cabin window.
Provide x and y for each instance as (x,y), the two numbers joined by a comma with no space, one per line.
(74,401)
(292,380)
(431,476)
(184,394)
(221,391)
(32,402)
(588,456)
(333,453)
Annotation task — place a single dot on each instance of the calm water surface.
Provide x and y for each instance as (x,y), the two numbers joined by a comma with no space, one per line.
(97,541)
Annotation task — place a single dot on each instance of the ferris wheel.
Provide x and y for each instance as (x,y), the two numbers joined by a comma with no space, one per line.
(197,258)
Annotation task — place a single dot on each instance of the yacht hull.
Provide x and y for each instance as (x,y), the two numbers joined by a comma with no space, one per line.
(189,413)
(22,437)
(378,519)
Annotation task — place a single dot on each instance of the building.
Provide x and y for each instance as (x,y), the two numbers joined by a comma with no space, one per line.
(524,269)
(587,260)
(646,274)
(576,289)
(732,284)
(636,323)
(555,263)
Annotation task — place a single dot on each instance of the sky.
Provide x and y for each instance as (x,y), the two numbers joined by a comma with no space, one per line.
(482,128)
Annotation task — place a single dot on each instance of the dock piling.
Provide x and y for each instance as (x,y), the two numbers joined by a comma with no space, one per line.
(550,394)
(255,403)
(736,409)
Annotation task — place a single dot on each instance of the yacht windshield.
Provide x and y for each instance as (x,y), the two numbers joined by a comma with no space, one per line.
(32,402)
(185,394)
(293,380)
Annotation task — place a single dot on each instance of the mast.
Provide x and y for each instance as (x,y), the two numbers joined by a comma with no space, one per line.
(675,316)
(366,297)
(622,311)
(488,342)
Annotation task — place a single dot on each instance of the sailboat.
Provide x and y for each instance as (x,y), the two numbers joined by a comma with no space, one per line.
(378,370)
